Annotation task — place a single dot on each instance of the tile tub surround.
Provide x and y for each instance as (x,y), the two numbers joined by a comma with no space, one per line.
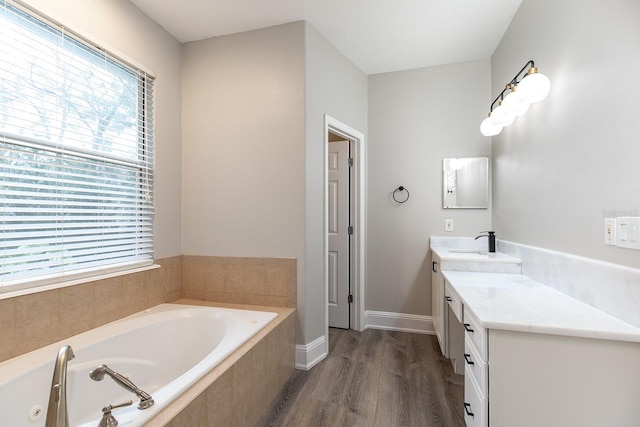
(28,322)
(609,287)
(31,321)
(241,388)
(237,391)
(259,281)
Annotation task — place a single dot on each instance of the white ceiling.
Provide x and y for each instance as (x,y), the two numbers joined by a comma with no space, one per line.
(376,35)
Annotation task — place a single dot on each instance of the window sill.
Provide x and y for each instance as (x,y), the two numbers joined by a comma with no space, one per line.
(73,282)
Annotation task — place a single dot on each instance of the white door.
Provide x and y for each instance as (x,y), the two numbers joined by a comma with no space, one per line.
(338,189)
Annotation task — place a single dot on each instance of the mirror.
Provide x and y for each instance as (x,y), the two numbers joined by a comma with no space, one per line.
(465,183)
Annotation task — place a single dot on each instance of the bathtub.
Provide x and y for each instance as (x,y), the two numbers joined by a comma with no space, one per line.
(163,350)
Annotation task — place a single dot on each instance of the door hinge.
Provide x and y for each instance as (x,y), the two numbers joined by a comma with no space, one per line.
(350,299)
(350,230)
(350,162)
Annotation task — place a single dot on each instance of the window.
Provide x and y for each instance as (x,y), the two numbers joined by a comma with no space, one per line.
(76,176)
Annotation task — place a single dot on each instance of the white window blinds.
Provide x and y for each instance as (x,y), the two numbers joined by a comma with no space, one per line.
(76,158)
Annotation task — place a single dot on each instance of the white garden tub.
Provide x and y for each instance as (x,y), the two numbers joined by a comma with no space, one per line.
(163,350)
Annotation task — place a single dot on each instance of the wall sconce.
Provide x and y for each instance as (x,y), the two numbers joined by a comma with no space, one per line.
(532,87)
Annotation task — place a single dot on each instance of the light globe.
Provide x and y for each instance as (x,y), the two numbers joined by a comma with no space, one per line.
(487,128)
(514,105)
(534,87)
(501,116)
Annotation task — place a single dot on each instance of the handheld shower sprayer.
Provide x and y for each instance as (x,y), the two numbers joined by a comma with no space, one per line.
(98,375)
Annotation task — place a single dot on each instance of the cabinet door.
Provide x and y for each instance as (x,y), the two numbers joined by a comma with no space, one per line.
(475,402)
(476,365)
(453,300)
(476,333)
(438,302)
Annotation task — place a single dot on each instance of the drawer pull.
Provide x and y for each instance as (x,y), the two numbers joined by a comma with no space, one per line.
(448,298)
(467,410)
(467,358)
(467,327)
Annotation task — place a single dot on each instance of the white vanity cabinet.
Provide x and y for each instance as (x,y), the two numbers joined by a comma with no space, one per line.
(455,331)
(553,380)
(446,310)
(447,317)
(530,379)
(476,387)
(535,357)
(438,305)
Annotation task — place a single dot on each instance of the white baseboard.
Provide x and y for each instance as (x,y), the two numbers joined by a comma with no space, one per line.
(309,355)
(399,322)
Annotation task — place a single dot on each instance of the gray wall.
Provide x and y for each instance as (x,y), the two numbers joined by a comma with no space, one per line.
(417,118)
(253,178)
(243,144)
(333,86)
(573,158)
(122,28)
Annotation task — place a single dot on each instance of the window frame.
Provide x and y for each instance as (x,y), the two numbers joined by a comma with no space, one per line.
(144,117)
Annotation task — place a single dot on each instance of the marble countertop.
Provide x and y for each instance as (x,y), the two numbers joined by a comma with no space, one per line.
(459,254)
(517,303)
(476,259)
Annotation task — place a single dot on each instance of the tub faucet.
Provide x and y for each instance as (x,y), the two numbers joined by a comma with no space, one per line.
(492,239)
(98,374)
(57,410)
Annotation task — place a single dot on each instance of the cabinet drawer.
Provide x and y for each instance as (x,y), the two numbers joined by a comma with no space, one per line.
(454,301)
(475,403)
(475,364)
(476,333)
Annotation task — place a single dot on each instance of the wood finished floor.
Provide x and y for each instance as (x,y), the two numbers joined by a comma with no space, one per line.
(373,378)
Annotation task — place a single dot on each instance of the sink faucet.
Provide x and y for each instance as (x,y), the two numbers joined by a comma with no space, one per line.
(98,375)
(57,410)
(492,239)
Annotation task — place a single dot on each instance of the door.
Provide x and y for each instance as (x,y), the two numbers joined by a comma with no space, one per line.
(339,269)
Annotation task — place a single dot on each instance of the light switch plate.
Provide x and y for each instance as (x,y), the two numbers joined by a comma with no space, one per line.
(610,231)
(628,232)
(448,225)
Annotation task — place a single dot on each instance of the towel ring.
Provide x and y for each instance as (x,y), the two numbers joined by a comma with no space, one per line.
(400,189)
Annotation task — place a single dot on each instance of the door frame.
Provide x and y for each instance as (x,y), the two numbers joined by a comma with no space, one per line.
(357,256)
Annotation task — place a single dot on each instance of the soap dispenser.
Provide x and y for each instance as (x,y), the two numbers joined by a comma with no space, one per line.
(492,239)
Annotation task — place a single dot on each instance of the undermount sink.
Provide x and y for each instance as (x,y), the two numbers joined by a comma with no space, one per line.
(468,251)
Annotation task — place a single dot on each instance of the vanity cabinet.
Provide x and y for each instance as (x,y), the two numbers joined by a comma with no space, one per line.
(455,331)
(438,305)
(533,356)
(530,379)
(553,380)
(476,386)
(447,317)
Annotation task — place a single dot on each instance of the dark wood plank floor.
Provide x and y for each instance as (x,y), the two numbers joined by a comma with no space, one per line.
(373,378)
